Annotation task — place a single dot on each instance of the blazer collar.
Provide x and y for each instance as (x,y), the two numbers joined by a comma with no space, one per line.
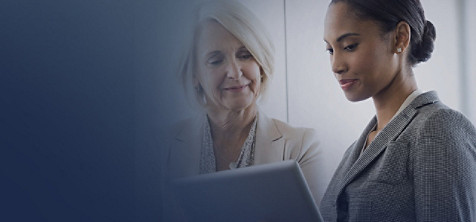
(357,163)
(269,145)
(424,99)
(186,150)
(268,129)
(192,130)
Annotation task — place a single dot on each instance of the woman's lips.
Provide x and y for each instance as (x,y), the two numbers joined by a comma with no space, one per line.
(236,88)
(347,83)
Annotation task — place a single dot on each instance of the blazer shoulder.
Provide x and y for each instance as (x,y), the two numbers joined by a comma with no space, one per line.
(185,128)
(445,124)
(288,131)
(441,116)
(304,140)
(182,124)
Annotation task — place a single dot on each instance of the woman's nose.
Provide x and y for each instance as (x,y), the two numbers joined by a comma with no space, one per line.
(338,65)
(234,70)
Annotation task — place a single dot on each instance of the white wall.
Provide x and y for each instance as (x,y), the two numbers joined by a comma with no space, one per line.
(442,71)
(470,46)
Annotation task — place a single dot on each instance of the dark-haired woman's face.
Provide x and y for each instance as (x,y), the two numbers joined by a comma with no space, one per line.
(361,57)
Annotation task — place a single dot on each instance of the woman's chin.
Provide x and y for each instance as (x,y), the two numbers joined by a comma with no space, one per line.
(239,105)
(354,97)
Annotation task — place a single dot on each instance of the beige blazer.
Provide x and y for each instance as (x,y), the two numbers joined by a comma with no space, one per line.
(275,141)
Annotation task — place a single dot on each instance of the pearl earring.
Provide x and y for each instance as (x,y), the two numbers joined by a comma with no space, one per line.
(399,50)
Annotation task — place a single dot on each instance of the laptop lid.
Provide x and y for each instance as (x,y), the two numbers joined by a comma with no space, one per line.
(269,192)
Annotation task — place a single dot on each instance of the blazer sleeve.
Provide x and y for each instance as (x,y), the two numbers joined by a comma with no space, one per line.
(312,164)
(444,168)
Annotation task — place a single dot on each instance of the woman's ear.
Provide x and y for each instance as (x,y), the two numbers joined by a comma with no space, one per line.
(402,37)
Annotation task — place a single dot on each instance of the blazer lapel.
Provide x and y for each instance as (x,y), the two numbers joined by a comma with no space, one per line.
(357,163)
(389,133)
(185,153)
(269,145)
(354,154)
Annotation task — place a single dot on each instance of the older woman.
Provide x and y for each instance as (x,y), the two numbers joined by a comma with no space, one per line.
(227,68)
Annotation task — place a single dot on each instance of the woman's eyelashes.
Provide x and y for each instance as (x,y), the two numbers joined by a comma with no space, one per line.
(244,55)
(215,58)
(348,48)
(351,47)
(219,58)
(215,61)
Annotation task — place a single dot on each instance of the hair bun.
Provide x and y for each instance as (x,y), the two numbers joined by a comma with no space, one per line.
(423,51)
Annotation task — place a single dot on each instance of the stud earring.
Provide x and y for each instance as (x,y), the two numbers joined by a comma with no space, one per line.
(399,50)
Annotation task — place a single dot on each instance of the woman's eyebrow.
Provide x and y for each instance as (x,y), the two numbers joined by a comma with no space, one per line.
(342,37)
(212,53)
(243,48)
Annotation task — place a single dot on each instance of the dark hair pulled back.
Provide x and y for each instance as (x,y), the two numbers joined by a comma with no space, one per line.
(389,13)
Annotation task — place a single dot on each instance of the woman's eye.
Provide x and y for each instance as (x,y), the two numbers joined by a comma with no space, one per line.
(330,51)
(245,55)
(215,61)
(350,47)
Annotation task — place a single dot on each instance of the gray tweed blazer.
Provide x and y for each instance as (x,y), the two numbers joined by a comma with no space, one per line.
(420,167)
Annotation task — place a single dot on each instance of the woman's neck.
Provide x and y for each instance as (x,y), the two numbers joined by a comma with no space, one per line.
(231,123)
(388,101)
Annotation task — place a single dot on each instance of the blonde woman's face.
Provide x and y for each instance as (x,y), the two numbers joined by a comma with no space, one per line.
(227,72)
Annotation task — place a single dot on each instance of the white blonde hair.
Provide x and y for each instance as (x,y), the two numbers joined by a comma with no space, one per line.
(243,25)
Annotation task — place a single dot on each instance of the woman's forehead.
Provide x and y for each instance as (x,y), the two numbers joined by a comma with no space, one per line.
(341,21)
(213,36)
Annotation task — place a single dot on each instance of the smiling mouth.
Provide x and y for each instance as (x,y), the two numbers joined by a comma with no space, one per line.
(236,88)
(347,83)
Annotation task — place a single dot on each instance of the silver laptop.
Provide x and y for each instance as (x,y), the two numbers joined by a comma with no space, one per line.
(269,192)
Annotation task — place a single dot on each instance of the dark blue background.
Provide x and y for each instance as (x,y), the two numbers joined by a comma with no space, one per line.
(86,94)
